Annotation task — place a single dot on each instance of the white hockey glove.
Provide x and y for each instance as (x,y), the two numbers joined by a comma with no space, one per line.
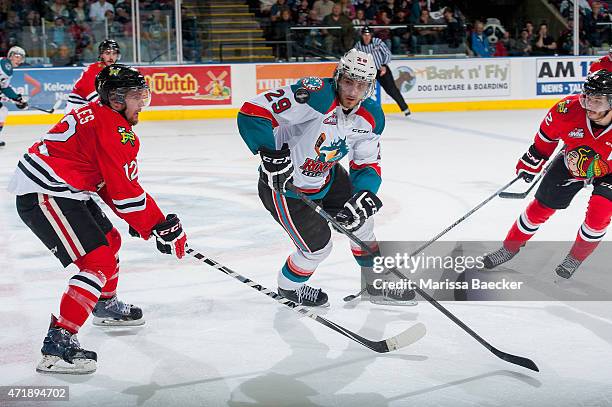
(356,210)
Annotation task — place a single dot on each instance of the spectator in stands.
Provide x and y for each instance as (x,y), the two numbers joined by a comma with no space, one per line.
(530,31)
(347,8)
(370,10)
(62,57)
(502,45)
(31,38)
(566,41)
(123,16)
(59,35)
(12,27)
(337,41)
(384,34)
(313,38)
(80,13)
(426,36)
(281,29)
(543,43)
(323,8)
(98,10)
(522,46)
(359,21)
(479,44)
(402,40)
(154,34)
(58,8)
(300,11)
(453,34)
(388,6)
(596,33)
(275,10)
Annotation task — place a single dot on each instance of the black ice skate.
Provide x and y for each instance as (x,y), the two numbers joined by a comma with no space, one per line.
(306,295)
(500,256)
(568,267)
(112,312)
(61,353)
(388,296)
(2,143)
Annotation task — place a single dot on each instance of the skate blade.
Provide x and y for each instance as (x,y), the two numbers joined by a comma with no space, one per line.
(410,303)
(111,322)
(56,365)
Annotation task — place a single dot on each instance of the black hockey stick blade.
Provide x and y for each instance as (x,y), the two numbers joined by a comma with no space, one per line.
(404,338)
(520,195)
(517,360)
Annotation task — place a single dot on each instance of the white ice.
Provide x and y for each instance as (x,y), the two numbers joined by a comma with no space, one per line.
(212,341)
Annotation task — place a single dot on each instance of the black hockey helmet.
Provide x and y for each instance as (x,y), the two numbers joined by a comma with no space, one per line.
(114,81)
(109,44)
(366,30)
(598,83)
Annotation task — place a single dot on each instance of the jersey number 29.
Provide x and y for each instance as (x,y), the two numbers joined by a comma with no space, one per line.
(282,104)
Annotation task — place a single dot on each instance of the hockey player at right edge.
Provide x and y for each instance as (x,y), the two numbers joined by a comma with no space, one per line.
(301,133)
(584,123)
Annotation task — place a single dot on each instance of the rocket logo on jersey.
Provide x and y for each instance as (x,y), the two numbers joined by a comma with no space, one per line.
(127,136)
(584,162)
(327,156)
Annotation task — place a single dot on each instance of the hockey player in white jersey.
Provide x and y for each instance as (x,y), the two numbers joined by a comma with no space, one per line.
(14,58)
(301,133)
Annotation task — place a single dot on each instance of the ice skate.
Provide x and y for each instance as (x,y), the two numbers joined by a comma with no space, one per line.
(62,353)
(112,312)
(568,267)
(500,256)
(306,295)
(388,296)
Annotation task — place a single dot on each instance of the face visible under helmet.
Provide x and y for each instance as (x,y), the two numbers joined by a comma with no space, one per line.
(109,45)
(358,66)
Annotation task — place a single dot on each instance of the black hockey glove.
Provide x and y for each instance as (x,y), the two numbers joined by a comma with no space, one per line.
(530,164)
(356,210)
(277,168)
(170,237)
(20,102)
(133,232)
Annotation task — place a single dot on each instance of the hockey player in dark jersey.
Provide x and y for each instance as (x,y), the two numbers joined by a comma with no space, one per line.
(301,133)
(584,123)
(92,150)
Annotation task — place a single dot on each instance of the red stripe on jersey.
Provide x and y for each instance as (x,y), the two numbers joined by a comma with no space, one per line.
(251,109)
(315,190)
(333,105)
(367,115)
(61,226)
(375,166)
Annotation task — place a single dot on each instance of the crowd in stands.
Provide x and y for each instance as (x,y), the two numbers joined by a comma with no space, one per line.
(418,26)
(74,28)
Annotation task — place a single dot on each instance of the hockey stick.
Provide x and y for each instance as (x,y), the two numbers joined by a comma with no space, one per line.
(523,195)
(439,235)
(405,338)
(50,111)
(517,360)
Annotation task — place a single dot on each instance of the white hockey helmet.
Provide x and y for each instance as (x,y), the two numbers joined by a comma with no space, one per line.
(16,51)
(358,66)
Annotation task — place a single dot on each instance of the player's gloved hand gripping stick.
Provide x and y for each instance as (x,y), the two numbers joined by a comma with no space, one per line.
(517,360)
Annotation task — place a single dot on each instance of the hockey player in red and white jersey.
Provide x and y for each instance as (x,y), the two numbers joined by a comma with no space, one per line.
(92,150)
(583,123)
(84,90)
(301,132)
(604,62)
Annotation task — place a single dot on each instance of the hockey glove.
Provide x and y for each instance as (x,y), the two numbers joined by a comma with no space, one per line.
(133,232)
(357,209)
(277,168)
(530,164)
(20,102)
(171,238)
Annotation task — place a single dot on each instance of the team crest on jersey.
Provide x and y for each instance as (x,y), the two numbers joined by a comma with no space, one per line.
(578,132)
(327,156)
(333,119)
(312,83)
(562,107)
(584,162)
(127,136)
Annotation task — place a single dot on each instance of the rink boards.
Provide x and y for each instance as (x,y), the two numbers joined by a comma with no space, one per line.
(185,92)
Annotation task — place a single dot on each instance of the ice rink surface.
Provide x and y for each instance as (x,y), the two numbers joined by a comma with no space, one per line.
(211,341)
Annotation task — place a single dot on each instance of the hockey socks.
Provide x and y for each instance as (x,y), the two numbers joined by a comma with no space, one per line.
(527,225)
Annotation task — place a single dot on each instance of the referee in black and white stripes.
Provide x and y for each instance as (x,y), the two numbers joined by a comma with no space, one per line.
(382,55)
